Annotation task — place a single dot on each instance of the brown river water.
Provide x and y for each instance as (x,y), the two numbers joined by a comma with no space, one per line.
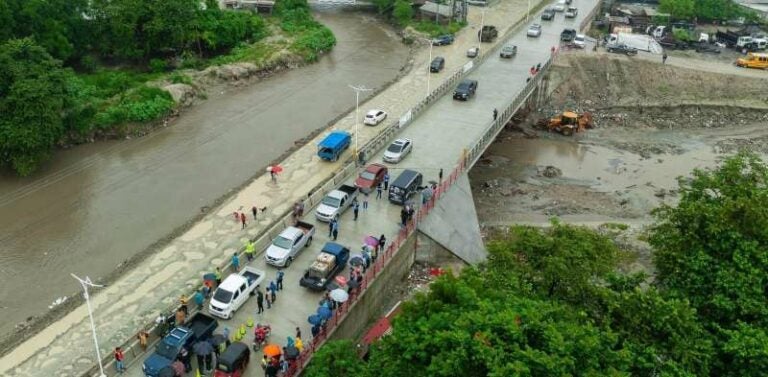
(97,205)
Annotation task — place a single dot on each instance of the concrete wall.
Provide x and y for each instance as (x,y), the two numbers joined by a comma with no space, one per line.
(369,307)
(432,253)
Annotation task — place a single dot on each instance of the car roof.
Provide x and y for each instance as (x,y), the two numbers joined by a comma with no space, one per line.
(467,81)
(373,111)
(232,282)
(375,168)
(535,25)
(401,141)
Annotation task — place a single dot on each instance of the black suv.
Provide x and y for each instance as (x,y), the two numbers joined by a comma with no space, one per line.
(549,14)
(465,90)
(568,35)
(437,64)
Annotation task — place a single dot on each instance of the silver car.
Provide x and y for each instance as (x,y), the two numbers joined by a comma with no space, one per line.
(534,30)
(397,151)
(508,51)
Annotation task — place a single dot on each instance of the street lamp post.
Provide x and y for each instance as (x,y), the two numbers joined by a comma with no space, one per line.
(429,62)
(528,13)
(357,90)
(85,283)
(482,21)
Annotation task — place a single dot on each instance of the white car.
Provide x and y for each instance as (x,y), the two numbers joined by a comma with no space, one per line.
(397,151)
(560,6)
(534,30)
(374,117)
(473,52)
(579,41)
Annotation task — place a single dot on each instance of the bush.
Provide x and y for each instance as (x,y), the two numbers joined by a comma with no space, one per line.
(312,43)
(158,65)
(435,30)
(88,64)
(403,12)
(180,78)
(140,105)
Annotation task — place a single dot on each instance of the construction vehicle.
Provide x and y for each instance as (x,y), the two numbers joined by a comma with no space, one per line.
(569,122)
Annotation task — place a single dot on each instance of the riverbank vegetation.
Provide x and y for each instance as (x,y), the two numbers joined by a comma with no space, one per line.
(554,302)
(76,70)
(403,14)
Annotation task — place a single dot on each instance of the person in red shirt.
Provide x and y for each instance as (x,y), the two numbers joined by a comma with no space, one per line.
(119,360)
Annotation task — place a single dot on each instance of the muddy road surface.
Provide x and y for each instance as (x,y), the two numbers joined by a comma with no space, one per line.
(98,205)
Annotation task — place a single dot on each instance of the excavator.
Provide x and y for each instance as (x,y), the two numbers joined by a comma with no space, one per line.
(569,122)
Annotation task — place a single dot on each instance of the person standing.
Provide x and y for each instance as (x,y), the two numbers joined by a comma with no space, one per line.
(386,181)
(259,300)
(242,220)
(119,360)
(335,229)
(403,216)
(382,242)
(330,227)
(664,58)
(180,317)
(255,212)
(218,276)
(440,175)
(184,303)
(235,262)
(199,299)
(365,201)
(378,191)
(280,276)
(495,114)
(298,333)
(273,290)
(250,248)
(143,336)
(355,207)
(268,298)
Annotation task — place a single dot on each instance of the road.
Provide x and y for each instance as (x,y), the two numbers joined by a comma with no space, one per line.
(96,206)
(439,135)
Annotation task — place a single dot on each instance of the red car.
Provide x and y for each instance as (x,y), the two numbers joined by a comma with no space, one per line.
(370,177)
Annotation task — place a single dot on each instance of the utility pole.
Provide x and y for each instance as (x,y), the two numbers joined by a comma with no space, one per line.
(482,21)
(429,64)
(85,283)
(358,89)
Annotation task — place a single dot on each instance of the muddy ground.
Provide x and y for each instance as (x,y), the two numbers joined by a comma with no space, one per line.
(653,123)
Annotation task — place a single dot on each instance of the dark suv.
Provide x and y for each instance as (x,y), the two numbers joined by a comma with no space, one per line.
(568,35)
(465,90)
(548,14)
(437,64)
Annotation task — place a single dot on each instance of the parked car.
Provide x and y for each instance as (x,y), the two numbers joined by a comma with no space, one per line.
(621,49)
(437,64)
(406,185)
(334,145)
(568,35)
(465,90)
(329,263)
(560,6)
(548,14)
(706,47)
(508,51)
(335,203)
(571,12)
(534,30)
(443,40)
(488,33)
(234,291)
(370,177)
(473,52)
(397,151)
(374,117)
(199,327)
(579,41)
(289,243)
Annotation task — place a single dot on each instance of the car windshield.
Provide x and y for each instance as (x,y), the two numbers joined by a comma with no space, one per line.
(222,295)
(331,202)
(166,351)
(579,38)
(463,86)
(367,175)
(369,115)
(282,242)
(395,148)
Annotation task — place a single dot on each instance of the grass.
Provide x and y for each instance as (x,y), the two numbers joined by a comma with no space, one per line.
(435,30)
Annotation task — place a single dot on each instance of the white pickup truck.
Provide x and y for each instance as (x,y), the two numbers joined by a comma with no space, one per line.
(335,203)
(234,291)
(289,243)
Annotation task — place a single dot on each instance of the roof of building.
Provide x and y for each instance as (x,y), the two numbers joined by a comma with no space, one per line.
(444,10)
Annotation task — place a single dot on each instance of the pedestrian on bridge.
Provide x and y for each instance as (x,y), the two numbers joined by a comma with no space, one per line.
(273,291)
(335,230)
(365,201)
(280,276)
(259,300)
(242,220)
(386,181)
(378,191)
(255,212)
(495,114)
(119,360)
(268,298)
(355,207)
(250,248)
(199,299)
(235,262)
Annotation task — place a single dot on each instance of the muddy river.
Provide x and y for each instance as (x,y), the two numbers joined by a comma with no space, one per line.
(98,205)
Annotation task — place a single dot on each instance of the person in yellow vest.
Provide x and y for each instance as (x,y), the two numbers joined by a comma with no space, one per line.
(299,345)
(218,276)
(250,247)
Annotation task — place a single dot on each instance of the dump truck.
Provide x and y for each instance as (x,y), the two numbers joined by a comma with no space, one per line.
(329,263)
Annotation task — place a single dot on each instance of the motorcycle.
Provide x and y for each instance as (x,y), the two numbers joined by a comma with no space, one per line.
(261,336)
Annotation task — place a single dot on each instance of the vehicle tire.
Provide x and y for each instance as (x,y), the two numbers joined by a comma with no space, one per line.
(309,242)
(288,262)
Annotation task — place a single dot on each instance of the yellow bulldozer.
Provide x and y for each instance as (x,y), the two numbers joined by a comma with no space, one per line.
(569,122)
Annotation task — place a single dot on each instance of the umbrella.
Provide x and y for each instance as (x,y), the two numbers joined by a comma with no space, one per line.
(341,280)
(178,366)
(210,276)
(324,312)
(203,348)
(315,319)
(168,371)
(356,260)
(291,352)
(339,295)
(271,350)
(275,169)
(217,339)
(371,241)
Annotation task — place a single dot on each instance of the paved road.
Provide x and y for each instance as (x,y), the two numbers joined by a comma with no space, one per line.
(439,136)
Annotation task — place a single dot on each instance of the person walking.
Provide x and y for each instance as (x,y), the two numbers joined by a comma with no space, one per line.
(382,242)
(235,262)
(218,276)
(259,300)
(143,337)
(386,181)
(365,201)
(440,175)
(272,176)
(378,191)
(280,276)
(330,227)
(255,212)
(268,298)
(184,303)
(242,220)
(119,360)
(403,216)
(273,291)
(495,114)
(664,58)
(355,207)
(298,333)
(250,248)
(199,299)
(335,230)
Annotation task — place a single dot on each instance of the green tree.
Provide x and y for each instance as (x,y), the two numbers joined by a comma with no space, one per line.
(403,12)
(680,9)
(336,359)
(32,102)
(746,349)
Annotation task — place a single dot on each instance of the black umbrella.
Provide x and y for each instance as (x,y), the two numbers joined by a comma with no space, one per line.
(203,348)
(291,353)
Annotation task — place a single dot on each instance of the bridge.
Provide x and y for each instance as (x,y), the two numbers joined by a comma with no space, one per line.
(447,135)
